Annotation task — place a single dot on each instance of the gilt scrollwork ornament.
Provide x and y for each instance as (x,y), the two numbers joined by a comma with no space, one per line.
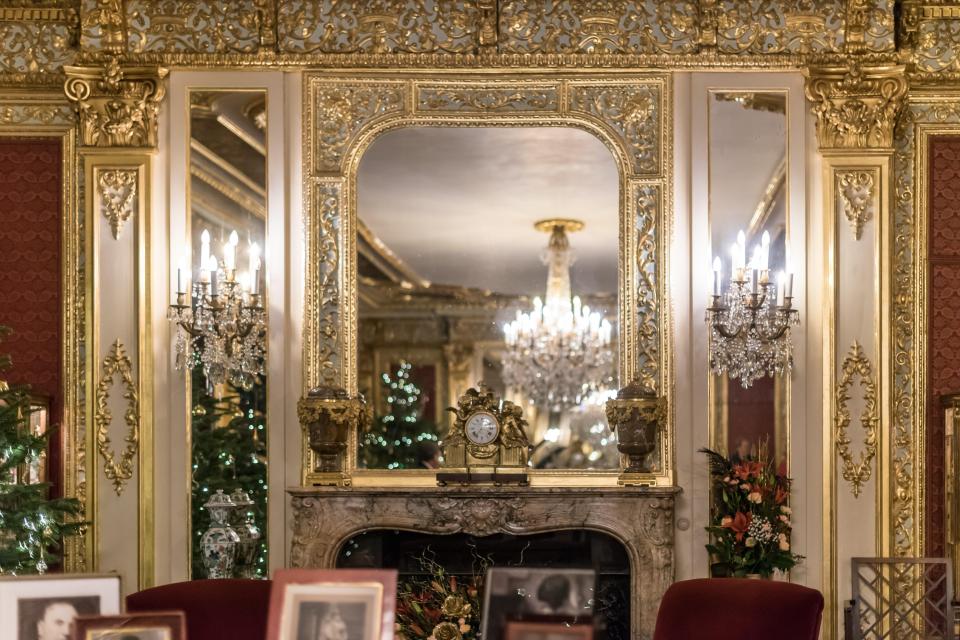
(856,107)
(343,109)
(633,112)
(329,416)
(488,99)
(103,26)
(856,471)
(173,26)
(117,105)
(117,193)
(116,468)
(647,198)
(855,190)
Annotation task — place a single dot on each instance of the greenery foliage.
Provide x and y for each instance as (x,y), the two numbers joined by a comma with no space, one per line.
(395,439)
(750,520)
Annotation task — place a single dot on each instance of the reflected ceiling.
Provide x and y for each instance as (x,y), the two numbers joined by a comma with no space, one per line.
(457,205)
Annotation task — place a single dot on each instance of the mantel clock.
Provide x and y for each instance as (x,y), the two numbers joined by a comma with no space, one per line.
(487,442)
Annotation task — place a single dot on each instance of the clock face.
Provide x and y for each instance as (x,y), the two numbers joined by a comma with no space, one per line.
(482,428)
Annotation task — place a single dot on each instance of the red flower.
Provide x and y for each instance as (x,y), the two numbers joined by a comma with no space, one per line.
(746,470)
(782,495)
(739,524)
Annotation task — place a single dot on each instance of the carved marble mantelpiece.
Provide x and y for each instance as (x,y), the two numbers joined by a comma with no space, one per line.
(641,518)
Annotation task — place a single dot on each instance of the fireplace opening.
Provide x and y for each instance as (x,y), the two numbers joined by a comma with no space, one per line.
(564,552)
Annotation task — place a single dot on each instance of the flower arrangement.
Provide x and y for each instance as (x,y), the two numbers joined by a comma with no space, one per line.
(439,606)
(750,523)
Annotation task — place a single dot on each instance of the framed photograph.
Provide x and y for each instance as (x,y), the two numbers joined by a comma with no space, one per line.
(356,604)
(152,625)
(45,607)
(548,631)
(554,596)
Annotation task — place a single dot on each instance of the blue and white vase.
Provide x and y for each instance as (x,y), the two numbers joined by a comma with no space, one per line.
(220,542)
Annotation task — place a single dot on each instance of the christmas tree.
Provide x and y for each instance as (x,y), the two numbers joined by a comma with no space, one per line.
(400,438)
(32,526)
(229,452)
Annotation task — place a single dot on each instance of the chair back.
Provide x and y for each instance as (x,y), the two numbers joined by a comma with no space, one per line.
(739,609)
(235,609)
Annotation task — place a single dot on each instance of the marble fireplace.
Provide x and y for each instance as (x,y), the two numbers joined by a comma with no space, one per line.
(641,519)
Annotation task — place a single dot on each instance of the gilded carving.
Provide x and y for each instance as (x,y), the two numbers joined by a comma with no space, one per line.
(855,190)
(341,110)
(476,517)
(117,105)
(117,193)
(647,198)
(856,471)
(488,99)
(856,107)
(36,114)
(633,112)
(170,26)
(775,26)
(598,26)
(328,222)
(103,26)
(35,44)
(117,362)
(937,41)
(385,26)
(329,417)
(869,26)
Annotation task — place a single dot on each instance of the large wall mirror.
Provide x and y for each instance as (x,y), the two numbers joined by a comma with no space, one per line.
(748,189)
(227,222)
(488,254)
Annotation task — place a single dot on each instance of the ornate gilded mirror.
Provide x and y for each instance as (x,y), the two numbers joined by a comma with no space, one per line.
(227,221)
(748,191)
(487,254)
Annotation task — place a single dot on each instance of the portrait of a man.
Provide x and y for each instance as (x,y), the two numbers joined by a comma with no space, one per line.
(50,618)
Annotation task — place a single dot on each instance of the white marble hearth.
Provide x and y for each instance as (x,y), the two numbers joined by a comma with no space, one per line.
(641,518)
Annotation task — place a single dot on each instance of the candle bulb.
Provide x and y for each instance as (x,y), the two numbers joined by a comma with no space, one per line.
(789,286)
(717,276)
(254,257)
(204,248)
(212,270)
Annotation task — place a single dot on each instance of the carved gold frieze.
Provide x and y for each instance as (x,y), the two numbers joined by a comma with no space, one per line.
(341,110)
(647,199)
(385,26)
(27,114)
(117,105)
(170,26)
(856,469)
(855,191)
(103,26)
(856,107)
(36,43)
(116,468)
(117,194)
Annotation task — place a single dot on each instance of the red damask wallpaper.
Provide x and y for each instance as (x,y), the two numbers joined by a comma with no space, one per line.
(943,338)
(30,264)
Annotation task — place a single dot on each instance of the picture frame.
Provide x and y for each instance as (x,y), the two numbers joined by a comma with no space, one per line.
(38,607)
(517,630)
(551,596)
(148,625)
(306,604)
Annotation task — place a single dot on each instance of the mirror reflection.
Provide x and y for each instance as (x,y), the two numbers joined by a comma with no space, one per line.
(488,254)
(748,191)
(227,221)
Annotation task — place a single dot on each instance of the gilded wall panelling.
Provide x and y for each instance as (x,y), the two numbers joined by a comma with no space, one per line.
(344,115)
(120,407)
(117,468)
(35,44)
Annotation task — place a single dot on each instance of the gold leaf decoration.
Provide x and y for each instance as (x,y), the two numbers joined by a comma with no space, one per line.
(117,190)
(856,472)
(117,362)
(855,190)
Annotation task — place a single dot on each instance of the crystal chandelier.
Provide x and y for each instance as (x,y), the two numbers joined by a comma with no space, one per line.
(221,324)
(559,352)
(750,322)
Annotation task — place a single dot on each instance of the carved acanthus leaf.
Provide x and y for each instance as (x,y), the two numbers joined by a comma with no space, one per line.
(117,362)
(855,190)
(856,471)
(117,192)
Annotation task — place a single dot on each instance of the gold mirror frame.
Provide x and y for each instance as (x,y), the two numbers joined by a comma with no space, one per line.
(345,113)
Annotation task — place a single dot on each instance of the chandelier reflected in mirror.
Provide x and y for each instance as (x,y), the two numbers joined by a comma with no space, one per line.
(750,321)
(221,322)
(559,352)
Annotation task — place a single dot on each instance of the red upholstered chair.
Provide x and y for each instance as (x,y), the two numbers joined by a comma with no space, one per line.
(234,609)
(739,609)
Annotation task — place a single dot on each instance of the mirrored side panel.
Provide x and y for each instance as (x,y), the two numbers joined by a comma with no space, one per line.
(228,384)
(490,255)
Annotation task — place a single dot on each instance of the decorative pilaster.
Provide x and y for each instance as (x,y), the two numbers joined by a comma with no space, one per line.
(856,108)
(117,107)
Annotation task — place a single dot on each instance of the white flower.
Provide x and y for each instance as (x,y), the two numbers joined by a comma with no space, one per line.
(751,542)
(784,519)
(784,543)
(785,509)
(755,497)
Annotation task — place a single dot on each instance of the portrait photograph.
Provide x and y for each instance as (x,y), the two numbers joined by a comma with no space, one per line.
(151,625)
(516,594)
(45,607)
(548,631)
(340,604)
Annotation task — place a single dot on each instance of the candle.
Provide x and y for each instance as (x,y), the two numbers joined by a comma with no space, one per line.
(212,270)
(204,249)
(765,250)
(255,281)
(254,257)
(179,280)
(717,276)
(754,281)
(789,287)
(230,252)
